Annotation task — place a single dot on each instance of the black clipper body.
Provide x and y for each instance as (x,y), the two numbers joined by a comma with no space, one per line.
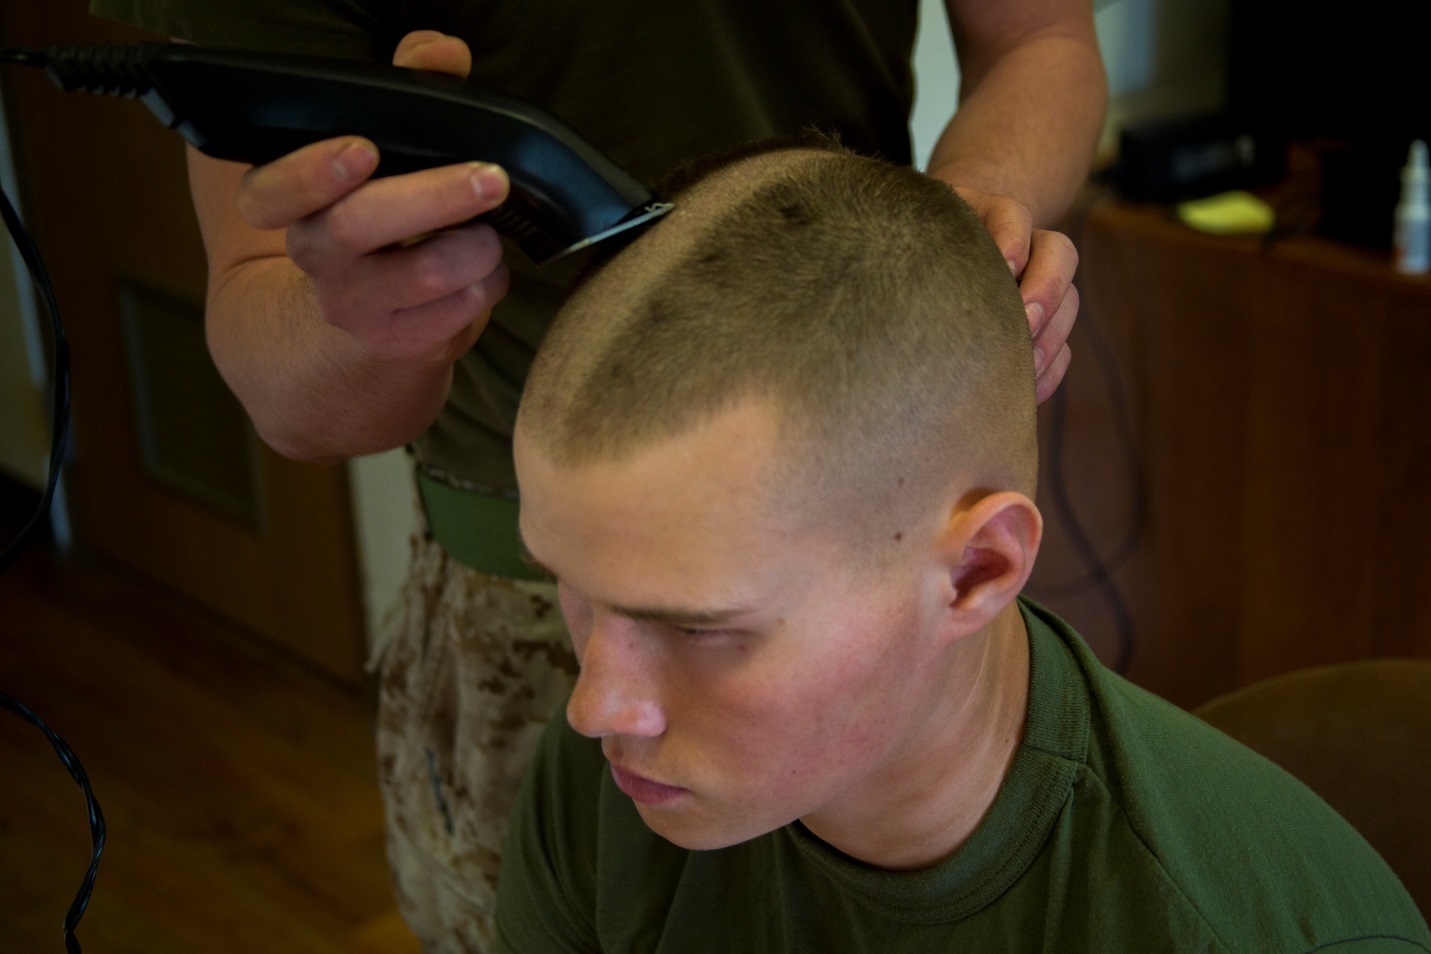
(255,107)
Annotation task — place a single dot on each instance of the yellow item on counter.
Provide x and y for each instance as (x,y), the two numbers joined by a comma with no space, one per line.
(1231,213)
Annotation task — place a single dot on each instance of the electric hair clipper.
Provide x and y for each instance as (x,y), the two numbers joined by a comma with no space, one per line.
(255,107)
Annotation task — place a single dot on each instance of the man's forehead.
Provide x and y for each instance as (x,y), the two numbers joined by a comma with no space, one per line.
(686,515)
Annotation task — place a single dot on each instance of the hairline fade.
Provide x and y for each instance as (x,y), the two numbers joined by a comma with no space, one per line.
(863,301)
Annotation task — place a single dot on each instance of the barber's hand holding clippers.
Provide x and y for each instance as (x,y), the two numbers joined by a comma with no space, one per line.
(1044,262)
(391,260)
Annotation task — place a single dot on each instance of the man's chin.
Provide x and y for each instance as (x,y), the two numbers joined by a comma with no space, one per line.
(696,834)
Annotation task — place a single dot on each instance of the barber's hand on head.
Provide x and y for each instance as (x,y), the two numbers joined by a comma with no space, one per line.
(1044,262)
(391,260)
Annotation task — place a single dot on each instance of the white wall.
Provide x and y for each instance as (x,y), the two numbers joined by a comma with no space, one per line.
(385,508)
(936,80)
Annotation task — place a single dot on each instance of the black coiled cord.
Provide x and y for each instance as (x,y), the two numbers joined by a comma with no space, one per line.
(96,817)
(1099,567)
(59,381)
(59,441)
(113,70)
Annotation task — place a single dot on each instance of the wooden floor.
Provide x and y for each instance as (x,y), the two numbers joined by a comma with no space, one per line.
(238,789)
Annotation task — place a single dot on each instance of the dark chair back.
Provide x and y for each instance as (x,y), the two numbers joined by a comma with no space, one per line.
(1359,735)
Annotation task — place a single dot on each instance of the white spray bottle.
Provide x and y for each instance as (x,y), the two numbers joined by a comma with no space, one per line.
(1413,214)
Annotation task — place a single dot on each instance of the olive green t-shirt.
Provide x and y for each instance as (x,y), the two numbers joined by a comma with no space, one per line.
(650,83)
(1125,826)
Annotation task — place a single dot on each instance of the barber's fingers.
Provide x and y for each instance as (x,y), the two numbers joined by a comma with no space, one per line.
(1052,375)
(399,278)
(305,181)
(1051,344)
(393,210)
(440,331)
(1007,220)
(1047,278)
(1051,303)
(1044,261)
(1051,334)
(424,302)
(431,50)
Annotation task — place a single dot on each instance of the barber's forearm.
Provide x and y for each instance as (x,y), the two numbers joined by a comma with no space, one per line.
(1028,124)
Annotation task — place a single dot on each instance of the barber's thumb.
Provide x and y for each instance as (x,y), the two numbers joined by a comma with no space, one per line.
(433,51)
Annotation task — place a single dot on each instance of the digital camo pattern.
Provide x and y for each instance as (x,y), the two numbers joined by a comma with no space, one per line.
(472,667)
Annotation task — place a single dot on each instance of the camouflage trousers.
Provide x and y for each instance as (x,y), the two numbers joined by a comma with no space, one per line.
(472,667)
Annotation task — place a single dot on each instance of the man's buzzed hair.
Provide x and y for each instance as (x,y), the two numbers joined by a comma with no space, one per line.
(864,301)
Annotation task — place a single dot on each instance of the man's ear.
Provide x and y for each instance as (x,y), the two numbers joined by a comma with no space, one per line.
(990,546)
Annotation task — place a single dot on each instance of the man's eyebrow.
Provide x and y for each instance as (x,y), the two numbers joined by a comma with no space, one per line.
(680,616)
(670,615)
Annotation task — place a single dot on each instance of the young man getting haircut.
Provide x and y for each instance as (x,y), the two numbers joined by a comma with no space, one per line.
(780,455)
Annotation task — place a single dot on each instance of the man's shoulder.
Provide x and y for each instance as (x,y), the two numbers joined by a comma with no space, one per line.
(1241,844)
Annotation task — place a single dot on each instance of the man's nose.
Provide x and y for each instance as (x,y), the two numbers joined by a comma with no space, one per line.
(617,689)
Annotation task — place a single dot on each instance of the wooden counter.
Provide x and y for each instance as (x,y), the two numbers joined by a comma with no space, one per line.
(1278,398)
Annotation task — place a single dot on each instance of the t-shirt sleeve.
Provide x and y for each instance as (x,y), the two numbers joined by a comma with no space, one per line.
(343,28)
(546,895)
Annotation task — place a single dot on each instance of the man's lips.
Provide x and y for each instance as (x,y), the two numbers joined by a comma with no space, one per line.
(643,790)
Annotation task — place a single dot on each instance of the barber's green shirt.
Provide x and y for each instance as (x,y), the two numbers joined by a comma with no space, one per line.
(650,83)
(1125,825)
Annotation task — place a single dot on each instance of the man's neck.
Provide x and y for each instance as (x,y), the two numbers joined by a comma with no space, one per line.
(948,779)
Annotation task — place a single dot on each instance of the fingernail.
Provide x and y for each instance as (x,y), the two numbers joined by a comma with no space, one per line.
(488,181)
(1038,361)
(355,160)
(1034,312)
(1012,267)
(412,46)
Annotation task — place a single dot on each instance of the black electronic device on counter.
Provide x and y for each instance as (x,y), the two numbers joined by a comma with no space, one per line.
(255,107)
(1172,160)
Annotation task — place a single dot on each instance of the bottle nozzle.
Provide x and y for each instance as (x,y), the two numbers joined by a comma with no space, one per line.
(1416,156)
